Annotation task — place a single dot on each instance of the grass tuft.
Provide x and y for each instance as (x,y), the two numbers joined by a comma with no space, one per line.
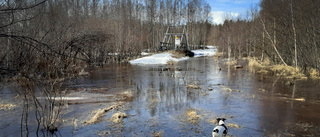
(314,74)
(232,62)
(264,67)
(118,117)
(158,133)
(100,113)
(7,106)
(193,116)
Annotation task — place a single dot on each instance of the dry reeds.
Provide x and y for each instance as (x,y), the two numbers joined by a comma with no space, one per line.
(83,73)
(158,133)
(254,63)
(195,85)
(294,99)
(218,55)
(288,71)
(314,74)
(224,88)
(193,116)
(232,62)
(100,113)
(233,125)
(263,67)
(7,106)
(118,117)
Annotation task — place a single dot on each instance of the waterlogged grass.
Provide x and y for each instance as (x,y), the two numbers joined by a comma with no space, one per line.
(232,62)
(314,74)
(7,106)
(289,72)
(218,55)
(227,123)
(254,63)
(158,133)
(100,113)
(193,116)
(118,117)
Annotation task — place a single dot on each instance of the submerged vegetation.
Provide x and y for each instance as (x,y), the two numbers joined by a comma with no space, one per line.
(268,67)
(288,72)
(7,106)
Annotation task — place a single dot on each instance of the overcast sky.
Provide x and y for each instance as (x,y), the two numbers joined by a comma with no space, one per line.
(221,9)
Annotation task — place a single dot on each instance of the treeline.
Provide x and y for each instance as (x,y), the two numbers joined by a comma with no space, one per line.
(66,35)
(286,32)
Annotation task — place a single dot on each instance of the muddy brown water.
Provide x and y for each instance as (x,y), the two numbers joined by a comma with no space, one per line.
(259,105)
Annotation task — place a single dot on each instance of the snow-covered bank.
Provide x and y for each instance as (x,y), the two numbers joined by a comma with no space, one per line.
(164,58)
(204,52)
(161,58)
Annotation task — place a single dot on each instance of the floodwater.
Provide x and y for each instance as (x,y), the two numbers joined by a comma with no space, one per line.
(162,95)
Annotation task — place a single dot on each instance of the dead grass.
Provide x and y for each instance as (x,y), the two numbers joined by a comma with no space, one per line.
(218,55)
(118,117)
(171,63)
(263,67)
(232,125)
(314,74)
(192,116)
(177,54)
(213,118)
(229,125)
(158,133)
(7,106)
(300,99)
(305,125)
(294,99)
(232,62)
(224,88)
(262,71)
(100,113)
(83,73)
(195,85)
(254,63)
(288,71)
(124,96)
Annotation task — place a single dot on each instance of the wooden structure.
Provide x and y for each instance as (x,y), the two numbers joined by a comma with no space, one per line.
(175,38)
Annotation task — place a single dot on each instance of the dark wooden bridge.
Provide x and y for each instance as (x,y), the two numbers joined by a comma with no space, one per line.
(175,38)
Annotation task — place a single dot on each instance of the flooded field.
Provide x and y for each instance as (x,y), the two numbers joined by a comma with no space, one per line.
(183,99)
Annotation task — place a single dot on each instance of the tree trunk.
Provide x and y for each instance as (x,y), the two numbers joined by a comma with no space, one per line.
(294,36)
(274,41)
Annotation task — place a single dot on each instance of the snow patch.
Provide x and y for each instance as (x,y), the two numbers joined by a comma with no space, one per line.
(63,98)
(161,58)
(164,58)
(145,53)
(204,52)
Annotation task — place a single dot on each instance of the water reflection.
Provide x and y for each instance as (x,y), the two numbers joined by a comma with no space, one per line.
(261,105)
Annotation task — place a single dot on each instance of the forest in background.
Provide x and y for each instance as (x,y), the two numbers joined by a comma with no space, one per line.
(66,36)
(42,38)
(286,32)
(45,41)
